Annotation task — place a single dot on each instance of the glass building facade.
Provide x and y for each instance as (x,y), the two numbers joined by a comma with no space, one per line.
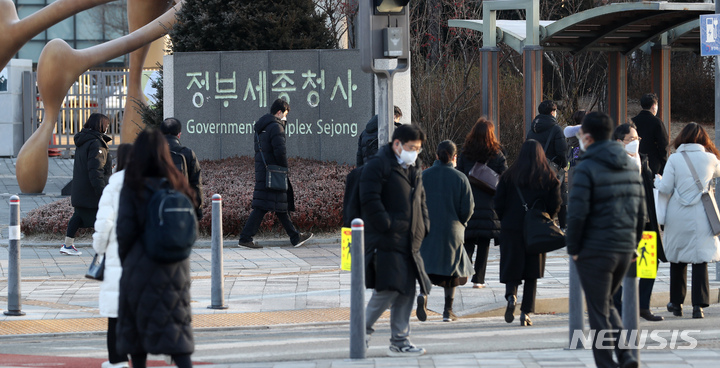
(86,29)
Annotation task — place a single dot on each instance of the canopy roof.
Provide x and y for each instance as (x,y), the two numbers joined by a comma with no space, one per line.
(621,27)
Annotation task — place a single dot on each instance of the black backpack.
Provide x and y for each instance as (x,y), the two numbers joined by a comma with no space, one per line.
(180,162)
(171,226)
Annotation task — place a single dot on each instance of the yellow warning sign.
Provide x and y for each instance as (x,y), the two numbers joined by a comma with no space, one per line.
(647,256)
(346,244)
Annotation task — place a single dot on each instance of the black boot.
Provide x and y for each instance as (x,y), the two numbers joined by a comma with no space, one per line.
(676,309)
(510,310)
(698,312)
(448,315)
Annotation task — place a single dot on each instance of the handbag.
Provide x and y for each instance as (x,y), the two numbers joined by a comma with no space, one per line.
(96,270)
(275,176)
(483,177)
(540,231)
(707,198)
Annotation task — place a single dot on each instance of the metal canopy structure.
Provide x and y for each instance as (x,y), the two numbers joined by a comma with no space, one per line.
(617,29)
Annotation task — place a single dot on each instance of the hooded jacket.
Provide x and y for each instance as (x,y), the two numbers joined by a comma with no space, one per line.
(688,237)
(271,139)
(545,127)
(606,208)
(92,168)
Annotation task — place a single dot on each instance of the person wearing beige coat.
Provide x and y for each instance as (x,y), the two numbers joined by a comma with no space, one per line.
(688,237)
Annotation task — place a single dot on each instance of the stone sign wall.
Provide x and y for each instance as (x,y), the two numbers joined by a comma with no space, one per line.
(219,96)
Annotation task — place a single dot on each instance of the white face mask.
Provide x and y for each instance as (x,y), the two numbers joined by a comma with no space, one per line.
(408,157)
(632,147)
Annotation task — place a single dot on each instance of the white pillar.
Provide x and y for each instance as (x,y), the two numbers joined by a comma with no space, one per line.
(11,118)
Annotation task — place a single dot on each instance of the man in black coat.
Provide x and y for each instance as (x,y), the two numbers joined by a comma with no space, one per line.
(368,141)
(606,217)
(172,129)
(654,136)
(91,172)
(393,204)
(270,150)
(545,129)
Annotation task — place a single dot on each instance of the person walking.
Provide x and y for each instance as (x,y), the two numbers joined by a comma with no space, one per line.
(270,149)
(532,176)
(654,135)
(172,129)
(154,314)
(606,217)
(368,141)
(545,129)
(397,221)
(105,242)
(628,136)
(481,146)
(688,236)
(450,204)
(91,171)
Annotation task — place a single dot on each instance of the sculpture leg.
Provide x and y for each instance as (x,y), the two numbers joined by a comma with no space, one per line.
(140,13)
(58,67)
(15,33)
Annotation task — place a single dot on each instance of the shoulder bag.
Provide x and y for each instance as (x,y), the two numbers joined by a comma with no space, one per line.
(540,231)
(707,198)
(96,270)
(275,176)
(483,177)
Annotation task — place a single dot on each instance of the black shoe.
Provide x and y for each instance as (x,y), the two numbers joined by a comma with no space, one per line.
(676,309)
(649,316)
(421,307)
(525,319)
(303,238)
(512,301)
(250,244)
(449,316)
(698,312)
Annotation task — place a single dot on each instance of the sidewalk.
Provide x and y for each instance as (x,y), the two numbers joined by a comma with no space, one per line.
(275,286)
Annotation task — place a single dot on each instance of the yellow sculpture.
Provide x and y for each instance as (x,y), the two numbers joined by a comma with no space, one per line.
(60,65)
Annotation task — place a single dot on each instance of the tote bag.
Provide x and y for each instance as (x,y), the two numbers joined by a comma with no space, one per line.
(540,231)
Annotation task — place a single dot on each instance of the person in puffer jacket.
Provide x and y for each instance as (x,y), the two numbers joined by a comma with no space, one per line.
(91,171)
(105,242)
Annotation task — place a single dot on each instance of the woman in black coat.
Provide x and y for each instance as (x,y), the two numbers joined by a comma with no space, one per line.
(535,179)
(481,146)
(154,313)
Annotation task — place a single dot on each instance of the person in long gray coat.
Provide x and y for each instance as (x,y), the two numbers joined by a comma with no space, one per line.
(688,237)
(450,204)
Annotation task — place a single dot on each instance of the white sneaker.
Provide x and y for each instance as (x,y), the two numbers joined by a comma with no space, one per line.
(71,250)
(406,351)
(114,365)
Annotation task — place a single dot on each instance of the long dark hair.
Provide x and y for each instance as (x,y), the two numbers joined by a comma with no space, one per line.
(97,122)
(481,143)
(531,169)
(694,133)
(123,156)
(151,159)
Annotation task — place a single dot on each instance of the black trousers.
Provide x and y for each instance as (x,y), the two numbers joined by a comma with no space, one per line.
(528,298)
(645,288)
(113,355)
(700,284)
(480,264)
(81,218)
(253,224)
(562,214)
(601,274)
